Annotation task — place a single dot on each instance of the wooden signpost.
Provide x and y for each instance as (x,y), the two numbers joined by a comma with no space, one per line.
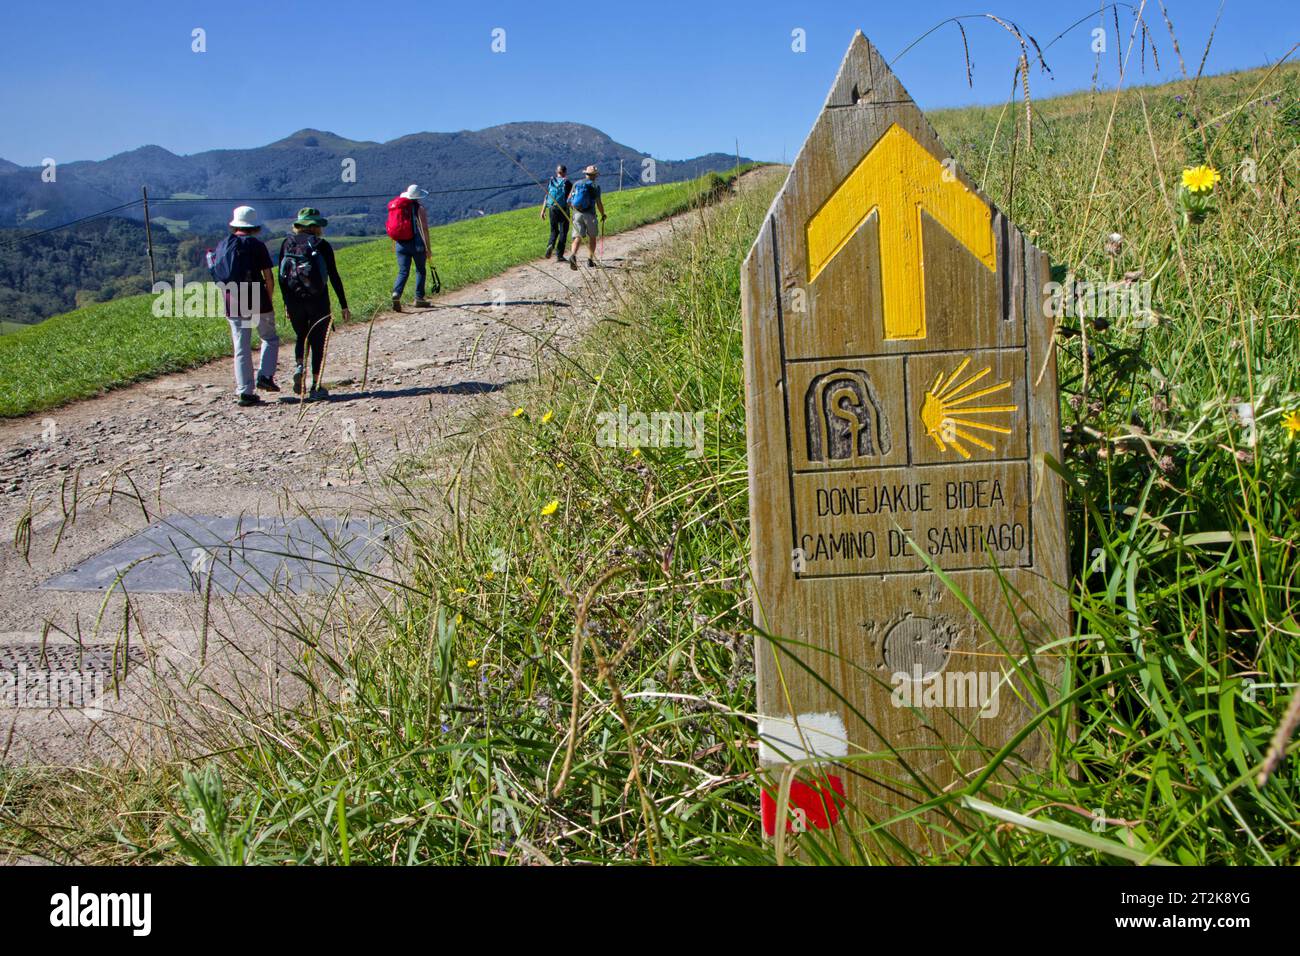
(901,397)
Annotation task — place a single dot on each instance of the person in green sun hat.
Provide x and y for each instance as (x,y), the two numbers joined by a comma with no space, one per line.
(306,264)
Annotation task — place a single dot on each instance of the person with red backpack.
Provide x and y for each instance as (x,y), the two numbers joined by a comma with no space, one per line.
(306,262)
(241,266)
(557,203)
(408,227)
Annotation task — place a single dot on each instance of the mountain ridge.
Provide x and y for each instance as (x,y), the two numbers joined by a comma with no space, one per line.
(313,162)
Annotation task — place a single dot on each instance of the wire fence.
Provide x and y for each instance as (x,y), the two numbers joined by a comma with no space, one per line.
(495,189)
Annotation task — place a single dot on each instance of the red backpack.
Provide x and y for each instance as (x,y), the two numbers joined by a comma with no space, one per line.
(401,219)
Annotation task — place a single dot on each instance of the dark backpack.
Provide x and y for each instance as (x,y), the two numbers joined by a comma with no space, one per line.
(302,270)
(556,190)
(583,197)
(233,260)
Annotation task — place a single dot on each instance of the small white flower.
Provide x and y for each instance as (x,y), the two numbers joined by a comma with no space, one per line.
(1246,414)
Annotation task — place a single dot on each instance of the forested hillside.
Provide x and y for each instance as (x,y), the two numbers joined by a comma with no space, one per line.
(93,262)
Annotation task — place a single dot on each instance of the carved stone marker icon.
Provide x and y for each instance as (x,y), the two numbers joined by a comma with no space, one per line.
(901,401)
(844,417)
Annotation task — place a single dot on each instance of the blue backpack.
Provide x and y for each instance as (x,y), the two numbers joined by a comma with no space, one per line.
(583,197)
(555,191)
(232,261)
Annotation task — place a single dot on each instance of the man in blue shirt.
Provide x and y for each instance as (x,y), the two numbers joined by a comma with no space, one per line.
(584,202)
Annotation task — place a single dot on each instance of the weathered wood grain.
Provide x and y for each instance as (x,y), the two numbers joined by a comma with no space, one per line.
(894,336)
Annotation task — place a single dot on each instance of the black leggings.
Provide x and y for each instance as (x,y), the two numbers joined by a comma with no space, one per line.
(311,322)
(559,229)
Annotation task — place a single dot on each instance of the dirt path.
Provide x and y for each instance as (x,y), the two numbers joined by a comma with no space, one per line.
(79,479)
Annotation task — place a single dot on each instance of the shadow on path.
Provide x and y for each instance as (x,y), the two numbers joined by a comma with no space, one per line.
(454,388)
(551,302)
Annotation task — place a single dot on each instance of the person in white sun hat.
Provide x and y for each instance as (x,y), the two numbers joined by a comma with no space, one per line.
(408,227)
(242,265)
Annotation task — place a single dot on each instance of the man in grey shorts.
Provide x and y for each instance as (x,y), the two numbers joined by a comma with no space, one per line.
(584,202)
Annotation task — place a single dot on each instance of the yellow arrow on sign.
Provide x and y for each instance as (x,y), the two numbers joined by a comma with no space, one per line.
(897,179)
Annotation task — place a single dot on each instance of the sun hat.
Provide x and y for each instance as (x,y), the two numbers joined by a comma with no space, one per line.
(591,171)
(244,217)
(310,216)
(414,192)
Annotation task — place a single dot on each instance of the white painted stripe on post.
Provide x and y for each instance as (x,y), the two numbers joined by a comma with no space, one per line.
(786,739)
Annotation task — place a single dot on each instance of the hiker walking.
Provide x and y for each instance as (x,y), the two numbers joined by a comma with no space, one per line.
(306,261)
(241,265)
(557,204)
(584,200)
(408,227)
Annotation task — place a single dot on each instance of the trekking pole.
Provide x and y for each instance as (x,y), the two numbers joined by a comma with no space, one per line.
(325,348)
(365,367)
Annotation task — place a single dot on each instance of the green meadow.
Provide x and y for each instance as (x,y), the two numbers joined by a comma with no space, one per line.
(565,674)
(107,345)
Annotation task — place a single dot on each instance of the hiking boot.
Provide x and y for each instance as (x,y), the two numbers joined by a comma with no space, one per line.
(318,393)
(591,263)
(573,263)
(297,380)
(252,398)
(397,303)
(560,258)
(423,303)
(267,384)
(547,255)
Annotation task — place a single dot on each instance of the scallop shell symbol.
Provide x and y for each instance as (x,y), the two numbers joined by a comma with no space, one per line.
(949,418)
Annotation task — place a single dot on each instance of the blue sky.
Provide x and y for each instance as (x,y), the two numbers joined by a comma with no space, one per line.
(85,80)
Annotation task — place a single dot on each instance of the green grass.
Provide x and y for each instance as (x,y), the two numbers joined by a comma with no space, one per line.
(171,225)
(344,242)
(108,345)
(450,743)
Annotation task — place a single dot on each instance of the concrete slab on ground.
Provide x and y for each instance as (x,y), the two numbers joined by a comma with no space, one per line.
(241,554)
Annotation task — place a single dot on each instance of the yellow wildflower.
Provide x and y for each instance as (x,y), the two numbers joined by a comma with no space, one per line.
(1292,424)
(636,452)
(460,590)
(517,412)
(548,416)
(489,576)
(551,507)
(472,662)
(1200,179)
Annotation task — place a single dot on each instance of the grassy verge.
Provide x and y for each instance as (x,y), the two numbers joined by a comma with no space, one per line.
(621,572)
(107,345)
